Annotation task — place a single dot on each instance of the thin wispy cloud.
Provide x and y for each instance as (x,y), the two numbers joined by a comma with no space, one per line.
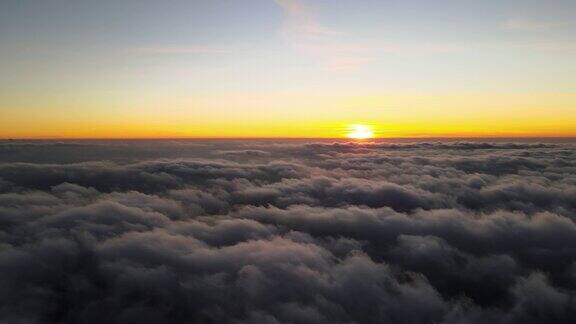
(181,49)
(550,46)
(305,33)
(339,50)
(529,24)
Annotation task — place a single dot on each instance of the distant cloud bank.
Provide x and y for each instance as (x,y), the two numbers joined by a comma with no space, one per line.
(287,232)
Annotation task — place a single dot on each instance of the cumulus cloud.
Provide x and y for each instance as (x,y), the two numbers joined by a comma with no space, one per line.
(287,232)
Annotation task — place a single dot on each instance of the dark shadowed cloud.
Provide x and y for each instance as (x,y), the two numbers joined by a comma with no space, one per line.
(287,232)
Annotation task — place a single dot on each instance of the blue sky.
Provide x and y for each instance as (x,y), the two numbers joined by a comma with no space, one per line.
(372,39)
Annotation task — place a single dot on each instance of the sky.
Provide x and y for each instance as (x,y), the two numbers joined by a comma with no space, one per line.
(286,68)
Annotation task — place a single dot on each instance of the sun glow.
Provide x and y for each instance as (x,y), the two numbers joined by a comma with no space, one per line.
(360,132)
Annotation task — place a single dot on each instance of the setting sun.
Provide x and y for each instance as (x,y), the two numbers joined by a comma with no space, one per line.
(360,132)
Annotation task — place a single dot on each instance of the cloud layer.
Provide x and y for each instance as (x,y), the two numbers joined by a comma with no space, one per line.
(287,232)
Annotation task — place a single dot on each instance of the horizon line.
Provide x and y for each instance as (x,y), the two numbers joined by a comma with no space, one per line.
(572,137)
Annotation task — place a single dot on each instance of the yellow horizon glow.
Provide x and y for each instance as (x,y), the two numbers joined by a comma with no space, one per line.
(296,115)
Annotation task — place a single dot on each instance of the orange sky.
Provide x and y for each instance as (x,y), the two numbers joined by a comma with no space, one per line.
(297,115)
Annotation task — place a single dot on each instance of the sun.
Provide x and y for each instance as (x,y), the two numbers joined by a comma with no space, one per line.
(359,131)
